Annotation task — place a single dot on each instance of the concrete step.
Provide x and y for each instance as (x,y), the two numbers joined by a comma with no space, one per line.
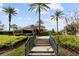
(41,54)
(42,37)
(42,44)
(42,41)
(42,49)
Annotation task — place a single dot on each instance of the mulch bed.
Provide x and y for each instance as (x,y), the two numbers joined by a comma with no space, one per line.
(67,52)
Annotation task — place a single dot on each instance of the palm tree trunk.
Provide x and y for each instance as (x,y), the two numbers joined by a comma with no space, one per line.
(66,25)
(13,32)
(57,23)
(9,21)
(39,17)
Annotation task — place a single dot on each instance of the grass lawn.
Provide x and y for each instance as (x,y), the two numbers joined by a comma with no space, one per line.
(68,41)
(20,51)
(17,52)
(6,40)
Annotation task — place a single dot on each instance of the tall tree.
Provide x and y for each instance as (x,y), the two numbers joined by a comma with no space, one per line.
(57,15)
(10,11)
(14,27)
(41,22)
(39,7)
(71,28)
(1,26)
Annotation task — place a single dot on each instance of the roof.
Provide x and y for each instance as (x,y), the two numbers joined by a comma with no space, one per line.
(30,27)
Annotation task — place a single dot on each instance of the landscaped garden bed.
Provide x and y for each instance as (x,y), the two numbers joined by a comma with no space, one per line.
(20,50)
(68,42)
(7,41)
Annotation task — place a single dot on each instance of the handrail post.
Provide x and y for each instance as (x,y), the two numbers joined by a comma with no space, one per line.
(34,36)
(54,44)
(29,44)
(57,50)
(26,43)
(25,49)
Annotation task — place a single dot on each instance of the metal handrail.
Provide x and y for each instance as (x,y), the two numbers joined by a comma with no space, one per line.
(29,44)
(53,43)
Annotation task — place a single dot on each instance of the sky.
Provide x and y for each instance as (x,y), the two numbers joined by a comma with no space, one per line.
(24,17)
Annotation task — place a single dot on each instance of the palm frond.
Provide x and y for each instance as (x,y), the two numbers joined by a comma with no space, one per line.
(42,8)
(35,6)
(57,14)
(44,5)
(9,10)
(52,17)
(37,10)
(31,8)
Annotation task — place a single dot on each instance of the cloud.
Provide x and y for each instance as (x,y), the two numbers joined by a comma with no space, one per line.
(17,10)
(20,18)
(1,4)
(49,24)
(1,9)
(28,18)
(56,6)
(43,13)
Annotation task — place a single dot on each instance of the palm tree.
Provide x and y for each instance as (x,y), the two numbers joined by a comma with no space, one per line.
(14,27)
(57,15)
(38,7)
(41,22)
(10,11)
(1,26)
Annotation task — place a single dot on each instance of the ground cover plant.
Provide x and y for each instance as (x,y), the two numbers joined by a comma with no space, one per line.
(68,42)
(17,52)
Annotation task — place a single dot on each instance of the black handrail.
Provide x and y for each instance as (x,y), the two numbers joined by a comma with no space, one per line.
(53,43)
(29,44)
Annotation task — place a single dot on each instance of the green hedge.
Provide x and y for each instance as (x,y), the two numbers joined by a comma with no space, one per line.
(17,32)
(6,33)
(59,33)
(44,33)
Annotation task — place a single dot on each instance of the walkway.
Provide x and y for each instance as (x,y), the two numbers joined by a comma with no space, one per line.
(42,47)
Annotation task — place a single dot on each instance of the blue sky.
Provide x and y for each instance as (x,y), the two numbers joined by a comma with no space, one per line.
(25,17)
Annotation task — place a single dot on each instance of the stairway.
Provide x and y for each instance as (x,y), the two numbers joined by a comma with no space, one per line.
(42,47)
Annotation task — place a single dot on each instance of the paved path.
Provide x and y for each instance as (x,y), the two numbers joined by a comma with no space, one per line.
(42,47)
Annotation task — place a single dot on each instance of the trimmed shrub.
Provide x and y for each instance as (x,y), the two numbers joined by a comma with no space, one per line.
(44,33)
(6,33)
(59,33)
